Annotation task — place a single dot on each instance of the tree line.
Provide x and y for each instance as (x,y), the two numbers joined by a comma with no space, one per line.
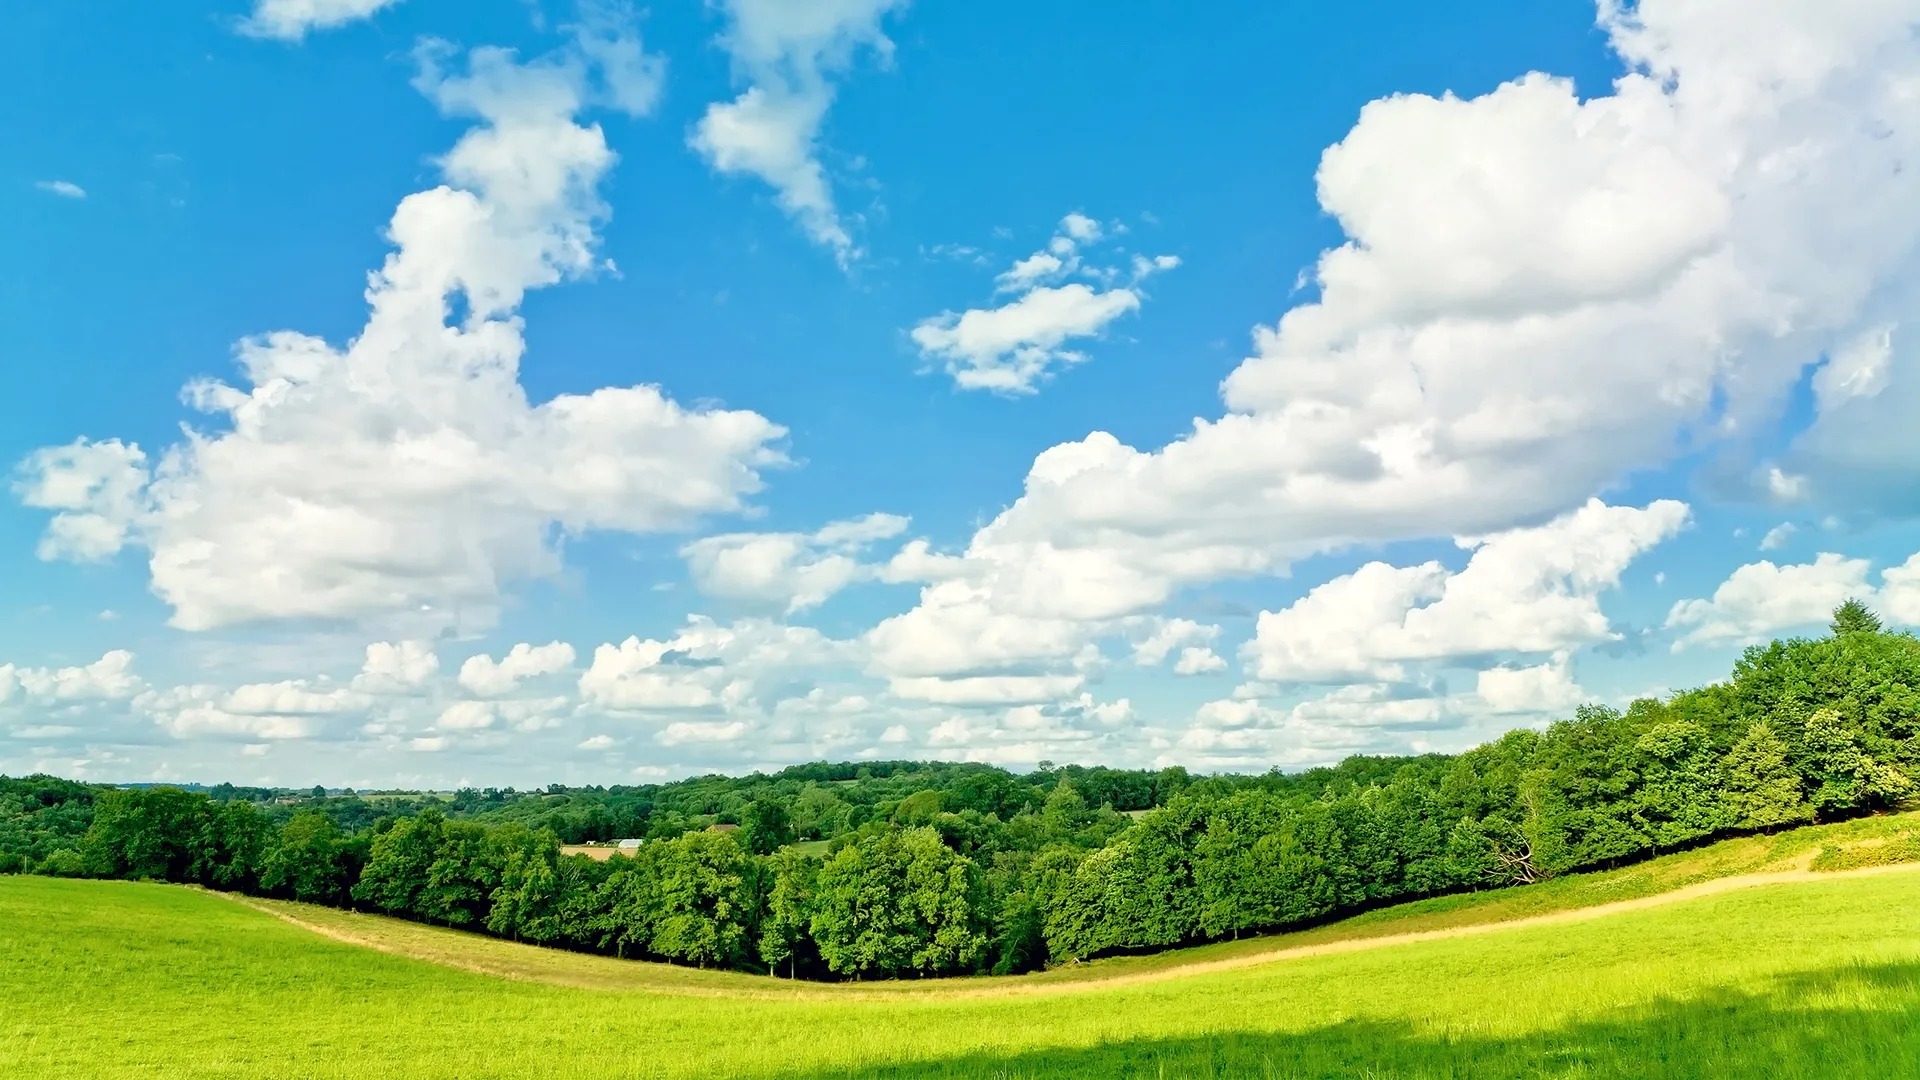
(967,869)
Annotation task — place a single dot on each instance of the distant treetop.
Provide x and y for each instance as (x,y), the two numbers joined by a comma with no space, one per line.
(1854,617)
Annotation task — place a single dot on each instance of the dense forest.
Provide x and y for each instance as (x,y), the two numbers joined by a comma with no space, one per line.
(899,869)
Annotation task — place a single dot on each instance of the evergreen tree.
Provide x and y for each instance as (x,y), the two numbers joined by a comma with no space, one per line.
(1854,617)
(1763,791)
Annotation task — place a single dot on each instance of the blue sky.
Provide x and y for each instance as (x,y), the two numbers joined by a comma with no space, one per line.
(753,382)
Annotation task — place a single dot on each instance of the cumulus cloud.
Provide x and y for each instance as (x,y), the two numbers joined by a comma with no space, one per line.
(1533,590)
(1195,660)
(483,677)
(789,55)
(986,689)
(194,713)
(792,570)
(397,667)
(110,678)
(291,697)
(1539,294)
(1761,599)
(291,709)
(1777,536)
(66,189)
(683,732)
(466,716)
(1012,348)
(1243,733)
(1080,728)
(1544,688)
(291,20)
(708,666)
(406,474)
(1167,635)
(95,489)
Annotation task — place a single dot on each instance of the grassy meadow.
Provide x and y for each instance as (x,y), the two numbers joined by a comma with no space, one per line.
(1812,978)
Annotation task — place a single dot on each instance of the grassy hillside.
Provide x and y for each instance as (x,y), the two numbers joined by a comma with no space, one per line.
(1850,845)
(1814,978)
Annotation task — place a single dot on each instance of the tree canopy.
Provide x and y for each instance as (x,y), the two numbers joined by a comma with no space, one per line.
(903,869)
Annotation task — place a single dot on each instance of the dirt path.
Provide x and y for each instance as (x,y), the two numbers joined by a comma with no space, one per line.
(532,963)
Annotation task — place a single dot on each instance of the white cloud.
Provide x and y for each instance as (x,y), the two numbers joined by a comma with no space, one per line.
(1198,661)
(987,689)
(1546,688)
(955,631)
(1540,294)
(1247,733)
(1531,590)
(1759,599)
(793,570)
(788,54)
(292,697)
(707,666)
(397,667)
(683,732)
(96,489)
(1168,635)
(482,677)
(290,20)
(66,189)
(1080,228)
(1012,348)
(201,712)
(466,716)
(406,475)
(1079,728)
(1190,638)
(596,743)
(110,678)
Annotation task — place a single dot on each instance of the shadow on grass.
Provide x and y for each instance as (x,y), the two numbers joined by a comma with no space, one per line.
(1855,1022)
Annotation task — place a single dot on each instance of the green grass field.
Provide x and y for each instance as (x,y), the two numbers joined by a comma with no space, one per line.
(1817,977)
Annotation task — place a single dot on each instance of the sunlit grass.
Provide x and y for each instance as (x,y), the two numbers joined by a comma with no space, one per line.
(1802,980)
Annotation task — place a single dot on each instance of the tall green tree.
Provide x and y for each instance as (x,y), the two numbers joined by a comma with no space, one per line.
(899,902)
(1762,790)
(1844,775)
(525,904)
(158,833)
(783,932)
(1854,617)
(705,915)
(767,825)
(1680,797)
(304,863)
(396,878)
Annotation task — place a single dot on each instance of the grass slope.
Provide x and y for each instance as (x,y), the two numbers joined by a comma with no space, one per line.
(1861,843)
(1813,979)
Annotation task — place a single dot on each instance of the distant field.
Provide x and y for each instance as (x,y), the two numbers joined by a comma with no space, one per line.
(1816,978)
(603,852)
